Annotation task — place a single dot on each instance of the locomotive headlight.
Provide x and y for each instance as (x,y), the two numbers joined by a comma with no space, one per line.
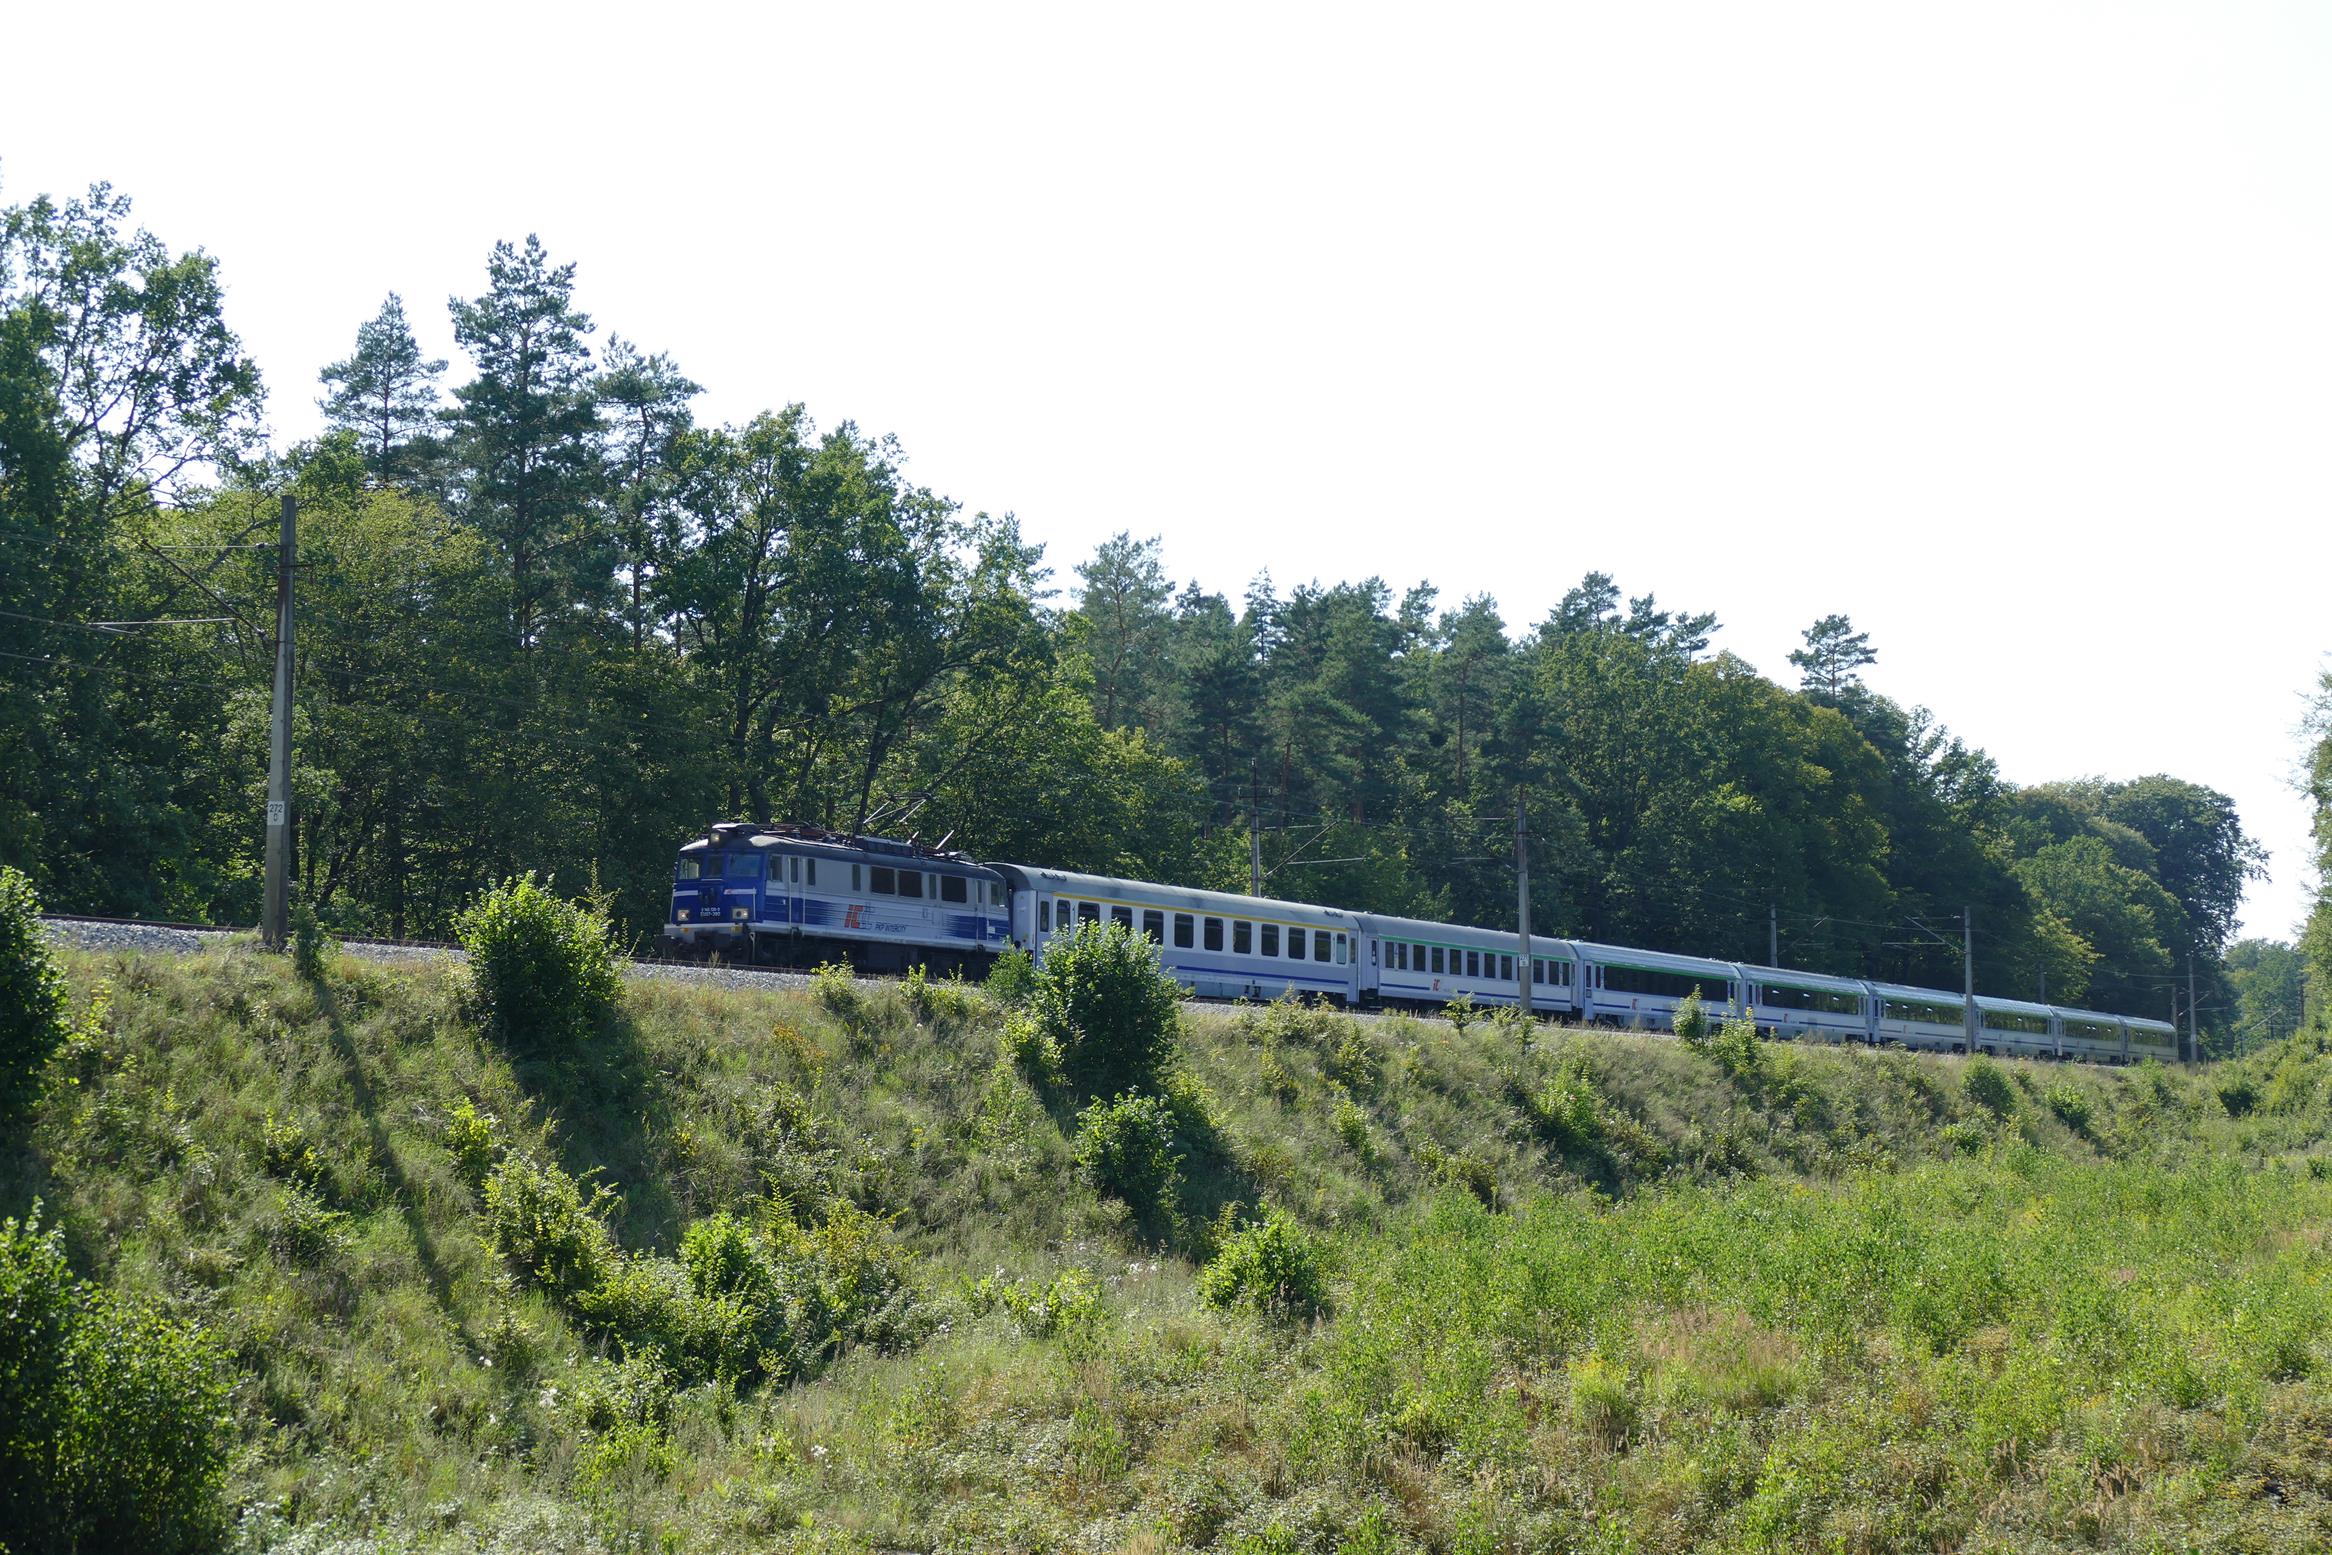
(683,915)
(737,913)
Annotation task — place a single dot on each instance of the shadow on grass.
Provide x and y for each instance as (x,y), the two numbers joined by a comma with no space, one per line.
(385,1159)
(609,1107)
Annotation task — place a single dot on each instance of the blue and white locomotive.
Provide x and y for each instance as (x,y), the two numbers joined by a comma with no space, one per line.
(794,895)
(798,895)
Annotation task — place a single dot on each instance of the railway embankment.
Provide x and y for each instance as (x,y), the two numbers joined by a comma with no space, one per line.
(843,1265)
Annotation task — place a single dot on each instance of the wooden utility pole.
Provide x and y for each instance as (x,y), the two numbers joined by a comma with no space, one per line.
(1522,964)
(2193,1033)
(1254,831)
(1968,968)
(1772,935)
(275,926)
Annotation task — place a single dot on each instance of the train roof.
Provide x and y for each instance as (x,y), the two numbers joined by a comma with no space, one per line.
(1651,960)
(1029,877)
(2162,1026)
(1789,977)
(796,837)
(1985,1001)
(1908,991)
(1427,929)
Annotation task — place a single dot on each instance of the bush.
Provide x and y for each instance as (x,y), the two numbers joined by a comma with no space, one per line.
(539,1219)
(1126,1149)
(1566,1112)
(1033,1054)
(1012,979)
(113,1418)
(1986,1084)
(1692,1020)
(312,949)
(1271,1268)
(1112,1013)
(543,969)
(2070,1103)
(2238,1095)
(476,1146)
(34,1015)
(1738,1050)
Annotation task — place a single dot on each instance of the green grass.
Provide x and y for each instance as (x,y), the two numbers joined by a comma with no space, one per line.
(1583,1290)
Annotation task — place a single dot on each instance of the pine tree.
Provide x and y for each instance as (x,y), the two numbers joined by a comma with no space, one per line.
(1834,650)
(647,400)
(386,393)
(526,435)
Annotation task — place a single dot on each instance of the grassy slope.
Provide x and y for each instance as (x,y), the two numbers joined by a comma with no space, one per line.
(1605,1294)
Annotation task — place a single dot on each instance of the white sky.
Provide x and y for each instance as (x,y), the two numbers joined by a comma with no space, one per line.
(2005,328)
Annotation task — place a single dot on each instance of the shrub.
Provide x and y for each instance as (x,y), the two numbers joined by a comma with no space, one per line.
(471,1136)
(1112,1013)
(2238,1095)
(312,949)
(1566,1112)
(1738,1050)
(34,1016)
(543,969)
(1030,1051)
(1270,1267)
(949,1001)
(1460,1169)
(1012,979)
(1070,1304)
(1460,1012)
(2070,1103)
(1601,1402)
(539,1219)
(113,1418)
(1356,1062)
(1125,1148)
(1692,1020)
(1986,1084)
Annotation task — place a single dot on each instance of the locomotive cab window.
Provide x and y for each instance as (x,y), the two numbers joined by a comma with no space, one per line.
(951,888)
(744,866)
(689,869)
(1184,931)
(885,881)
(1271,939)
(1154,924)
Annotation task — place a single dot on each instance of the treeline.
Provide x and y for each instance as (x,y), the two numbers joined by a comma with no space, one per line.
(549,619)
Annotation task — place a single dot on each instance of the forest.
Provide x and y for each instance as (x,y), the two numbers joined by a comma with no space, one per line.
(548,619)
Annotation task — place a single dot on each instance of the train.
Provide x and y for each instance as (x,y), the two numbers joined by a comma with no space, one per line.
(795,894)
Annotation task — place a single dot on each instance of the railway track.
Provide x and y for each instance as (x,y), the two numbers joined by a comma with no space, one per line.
(162,936)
